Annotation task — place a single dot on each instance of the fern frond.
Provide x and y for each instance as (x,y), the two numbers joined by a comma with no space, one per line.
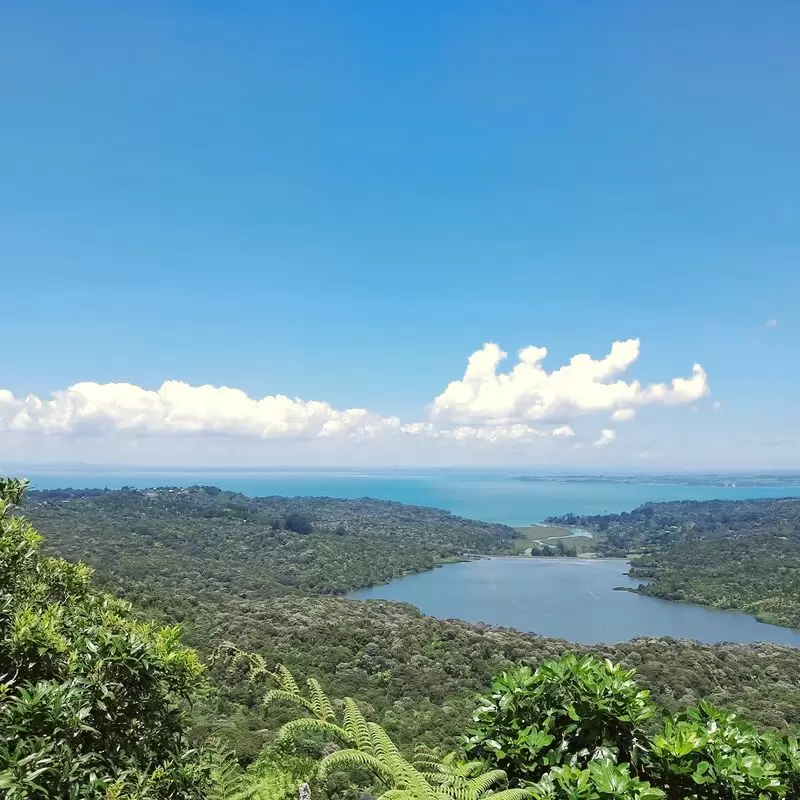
(436,779)
(382,745)
(285,679)
(356,726)
(465,769)
(397,794)
(510,794)
(276,695)
(356,759)
(227,776)
(482,783)
(307,725)
(319,700)
(426,759)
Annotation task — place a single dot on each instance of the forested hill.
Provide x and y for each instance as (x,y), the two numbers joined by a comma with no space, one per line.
(244,569)
(208,540)
(735,554)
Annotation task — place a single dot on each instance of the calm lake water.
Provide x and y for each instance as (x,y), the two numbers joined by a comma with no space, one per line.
(563,598)
(569,599)
(491,495)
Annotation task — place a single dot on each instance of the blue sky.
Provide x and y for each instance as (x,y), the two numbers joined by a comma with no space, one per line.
(342,201)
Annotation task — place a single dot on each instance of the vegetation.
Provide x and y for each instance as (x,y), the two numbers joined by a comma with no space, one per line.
(95,704)
(91,701)
(573,729)
(416,675)
(220,541)
(734,554)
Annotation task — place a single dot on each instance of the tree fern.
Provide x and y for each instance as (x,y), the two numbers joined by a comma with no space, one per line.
(369,747)
(277,695)
(356,725)
(320,703)
(510,794)
(308,725)
(482,783)
(228,777)
(286,680)
(356,759)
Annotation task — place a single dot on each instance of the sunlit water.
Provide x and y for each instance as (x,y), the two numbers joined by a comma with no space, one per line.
(494,496)
(569,599)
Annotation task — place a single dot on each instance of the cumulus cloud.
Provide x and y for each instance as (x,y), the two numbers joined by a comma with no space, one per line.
(528,392)
(563,431)
(178,407)
(606,437)
(526,404)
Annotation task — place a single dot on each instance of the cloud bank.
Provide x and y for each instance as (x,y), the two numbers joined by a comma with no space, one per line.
(528,392)
(178,407)
(525,404)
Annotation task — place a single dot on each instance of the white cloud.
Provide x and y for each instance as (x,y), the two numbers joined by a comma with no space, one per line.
(771,323)
(485,406)
(465,433)
(606,437)
(563,431)
(180,408)
(716,405)
(529,393)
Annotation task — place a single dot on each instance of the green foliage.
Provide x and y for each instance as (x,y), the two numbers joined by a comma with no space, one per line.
(202,539)
(736,554)
(709,753)
(576,729)
(600,780)
(90,700)
(213,562)
(370,749)
(568,711)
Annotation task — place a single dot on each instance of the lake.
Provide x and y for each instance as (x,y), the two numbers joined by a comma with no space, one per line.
(567,598)
(570,599)
(490,495)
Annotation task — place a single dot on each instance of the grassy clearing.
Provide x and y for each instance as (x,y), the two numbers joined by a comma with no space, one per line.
(550,534)
(535,533)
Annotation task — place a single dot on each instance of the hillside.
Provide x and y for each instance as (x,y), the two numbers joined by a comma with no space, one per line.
(735,554)
(209,540)
(225,567)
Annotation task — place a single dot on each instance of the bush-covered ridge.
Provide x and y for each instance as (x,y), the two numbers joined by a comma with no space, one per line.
(257,546)
(93,704)
(735,554)
(417,674)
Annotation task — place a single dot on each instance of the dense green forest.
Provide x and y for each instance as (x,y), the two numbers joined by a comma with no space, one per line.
(95,704)
(734,554)
(218,541)
(227,568)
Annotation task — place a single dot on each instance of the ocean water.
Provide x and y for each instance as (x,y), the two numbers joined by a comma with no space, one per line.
(491,495)
(564,598)
(568,598)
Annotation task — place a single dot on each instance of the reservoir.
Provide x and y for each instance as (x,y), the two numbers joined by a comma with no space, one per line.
(567,598)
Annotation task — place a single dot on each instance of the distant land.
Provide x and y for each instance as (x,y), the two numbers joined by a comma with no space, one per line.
(679,479)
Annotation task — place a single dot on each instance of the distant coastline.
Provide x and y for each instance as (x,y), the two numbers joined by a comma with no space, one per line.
(729,480)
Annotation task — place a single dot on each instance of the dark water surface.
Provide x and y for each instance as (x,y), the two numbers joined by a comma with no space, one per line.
(567,598)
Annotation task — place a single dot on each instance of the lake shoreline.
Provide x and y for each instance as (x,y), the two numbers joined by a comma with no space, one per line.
(523,601)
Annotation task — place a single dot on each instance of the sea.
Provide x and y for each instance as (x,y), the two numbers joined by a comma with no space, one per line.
(572,599)
(490,495)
